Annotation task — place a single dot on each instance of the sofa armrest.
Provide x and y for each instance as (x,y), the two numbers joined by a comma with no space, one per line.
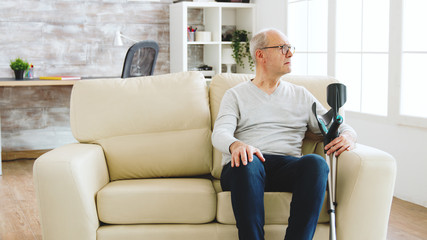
(67,180)
(365,185)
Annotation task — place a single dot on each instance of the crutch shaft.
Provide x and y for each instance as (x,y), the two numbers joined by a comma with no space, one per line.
(331,196)
(332,229)
(334,178)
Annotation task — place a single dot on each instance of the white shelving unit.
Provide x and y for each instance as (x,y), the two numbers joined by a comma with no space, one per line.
(215,15)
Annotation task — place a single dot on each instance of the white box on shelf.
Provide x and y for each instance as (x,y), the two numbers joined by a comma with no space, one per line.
(202,36)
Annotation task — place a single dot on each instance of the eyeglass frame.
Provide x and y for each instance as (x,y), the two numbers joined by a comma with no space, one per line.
(282,48)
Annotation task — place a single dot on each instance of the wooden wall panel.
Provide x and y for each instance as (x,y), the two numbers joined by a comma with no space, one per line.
(34,118)
(76,37)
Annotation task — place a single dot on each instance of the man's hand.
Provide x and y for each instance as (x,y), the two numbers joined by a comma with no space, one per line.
(344,142)
(243,152)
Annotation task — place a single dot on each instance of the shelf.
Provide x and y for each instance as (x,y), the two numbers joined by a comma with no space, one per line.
(209,17)
(197,43)
(29,83)
(202,43)
(215,5)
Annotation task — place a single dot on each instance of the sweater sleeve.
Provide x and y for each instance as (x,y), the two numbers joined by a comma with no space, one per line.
(226,123)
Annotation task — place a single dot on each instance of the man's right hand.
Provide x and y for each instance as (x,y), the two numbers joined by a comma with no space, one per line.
(244,153)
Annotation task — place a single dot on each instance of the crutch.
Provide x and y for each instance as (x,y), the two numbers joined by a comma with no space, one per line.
(329,124)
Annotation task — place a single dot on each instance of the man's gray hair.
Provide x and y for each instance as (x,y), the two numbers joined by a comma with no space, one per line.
(260,40)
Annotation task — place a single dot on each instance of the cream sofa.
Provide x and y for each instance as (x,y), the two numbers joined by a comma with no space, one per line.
(144,167)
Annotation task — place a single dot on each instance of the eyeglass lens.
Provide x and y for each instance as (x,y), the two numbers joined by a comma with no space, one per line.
(286,49)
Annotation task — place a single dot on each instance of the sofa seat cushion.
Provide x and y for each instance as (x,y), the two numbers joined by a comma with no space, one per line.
(277,205)
(177,200)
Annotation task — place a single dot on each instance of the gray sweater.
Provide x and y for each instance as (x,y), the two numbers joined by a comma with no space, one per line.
(275,124)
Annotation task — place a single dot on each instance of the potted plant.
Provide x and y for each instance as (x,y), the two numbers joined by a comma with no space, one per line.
(240,46)
(19,66)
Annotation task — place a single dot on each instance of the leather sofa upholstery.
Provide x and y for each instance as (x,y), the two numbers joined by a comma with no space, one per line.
(144,167)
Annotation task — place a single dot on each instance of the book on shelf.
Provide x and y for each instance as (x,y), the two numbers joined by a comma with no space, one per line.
(60,78)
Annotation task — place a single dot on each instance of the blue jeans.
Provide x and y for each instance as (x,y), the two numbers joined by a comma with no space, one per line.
(305,177)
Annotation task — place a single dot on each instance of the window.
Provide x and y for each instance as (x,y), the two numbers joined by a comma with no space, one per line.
(307,31)
(377,48)
(413,97)
(362,39)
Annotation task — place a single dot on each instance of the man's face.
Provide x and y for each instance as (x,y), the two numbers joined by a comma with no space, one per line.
(276,61)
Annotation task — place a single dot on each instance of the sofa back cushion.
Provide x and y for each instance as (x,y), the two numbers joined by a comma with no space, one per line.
(156,126)
(222,82)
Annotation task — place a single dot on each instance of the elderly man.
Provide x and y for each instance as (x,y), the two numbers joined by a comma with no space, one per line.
(259,129)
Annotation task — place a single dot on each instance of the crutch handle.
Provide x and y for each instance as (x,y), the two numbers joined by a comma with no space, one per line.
(333,130)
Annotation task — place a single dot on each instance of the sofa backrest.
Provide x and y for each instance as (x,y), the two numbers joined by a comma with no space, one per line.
(222,82)
(157,126)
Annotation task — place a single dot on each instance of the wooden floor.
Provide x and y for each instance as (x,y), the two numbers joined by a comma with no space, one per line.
(18,207)
(19,214)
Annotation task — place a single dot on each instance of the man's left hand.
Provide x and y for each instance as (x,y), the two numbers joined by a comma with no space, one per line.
(344,142)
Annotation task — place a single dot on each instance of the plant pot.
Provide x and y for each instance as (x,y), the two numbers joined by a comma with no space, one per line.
(19,74)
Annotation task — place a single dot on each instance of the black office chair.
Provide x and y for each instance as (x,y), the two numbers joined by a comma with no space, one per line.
(140,59)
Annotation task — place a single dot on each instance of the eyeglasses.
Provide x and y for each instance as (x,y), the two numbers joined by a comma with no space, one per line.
(285,49)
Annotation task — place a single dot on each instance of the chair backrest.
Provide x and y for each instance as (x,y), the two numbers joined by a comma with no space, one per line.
(140,59)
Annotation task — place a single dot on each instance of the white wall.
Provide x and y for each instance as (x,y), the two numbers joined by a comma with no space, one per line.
(270,14)
(405,143)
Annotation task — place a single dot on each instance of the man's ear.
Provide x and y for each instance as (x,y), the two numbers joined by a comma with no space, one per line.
(260,56)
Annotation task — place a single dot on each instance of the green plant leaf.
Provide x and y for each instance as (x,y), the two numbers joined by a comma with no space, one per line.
(19,64)
(240,46)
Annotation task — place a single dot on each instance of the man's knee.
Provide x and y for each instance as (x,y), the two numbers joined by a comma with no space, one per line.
(315,163)
(253,169)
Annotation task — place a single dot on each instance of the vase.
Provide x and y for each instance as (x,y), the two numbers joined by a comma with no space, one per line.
(19,74)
